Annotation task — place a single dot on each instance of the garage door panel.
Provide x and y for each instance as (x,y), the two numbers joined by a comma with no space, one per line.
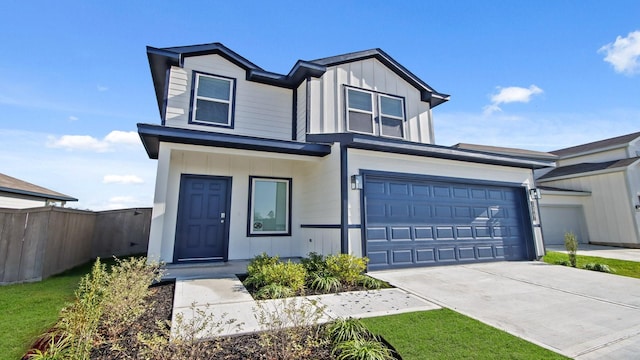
(431,222)
(400,233)
(423,233)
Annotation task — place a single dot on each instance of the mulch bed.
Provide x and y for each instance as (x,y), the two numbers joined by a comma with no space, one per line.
(240,347)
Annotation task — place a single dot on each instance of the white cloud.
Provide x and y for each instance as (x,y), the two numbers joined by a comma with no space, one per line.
(624,53)
(90,143)
(102,88)
(511,94)
(122,179)
(123,137)
(73,118)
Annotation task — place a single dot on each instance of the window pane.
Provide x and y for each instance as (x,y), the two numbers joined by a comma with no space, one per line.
(391,127)
(360,122)
(359,100)
(270,206)
(391,106)
(211,111)
(213,88)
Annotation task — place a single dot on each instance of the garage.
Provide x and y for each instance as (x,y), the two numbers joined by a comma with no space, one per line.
(559,220)
(427,221)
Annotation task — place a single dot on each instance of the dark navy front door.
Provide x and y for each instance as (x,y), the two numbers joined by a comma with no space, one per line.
(203,210)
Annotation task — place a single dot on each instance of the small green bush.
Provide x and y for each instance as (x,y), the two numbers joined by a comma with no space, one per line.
(362,349)
(347,268)
(348,329)
(372,283)
(571,244)
(261,260)
(287,274)
(314,263)
(324,282)
(274,291)
(599,267)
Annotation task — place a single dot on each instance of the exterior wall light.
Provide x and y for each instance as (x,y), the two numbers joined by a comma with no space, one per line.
(535,193)
(356,182)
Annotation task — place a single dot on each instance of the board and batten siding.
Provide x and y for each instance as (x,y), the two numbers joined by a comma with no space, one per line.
(327,105)
(608,210)
(301,112)
(311,200)
(412,165)
(260,110)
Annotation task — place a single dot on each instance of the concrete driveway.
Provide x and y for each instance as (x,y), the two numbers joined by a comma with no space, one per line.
(578,313)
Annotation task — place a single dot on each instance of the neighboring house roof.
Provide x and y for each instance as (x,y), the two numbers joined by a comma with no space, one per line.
(370,142)
(611,143)
(12,185)
(507,151)
(583,168)
(161,59)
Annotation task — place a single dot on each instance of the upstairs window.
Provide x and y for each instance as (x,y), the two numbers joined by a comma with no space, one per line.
(374,113)
(213,100)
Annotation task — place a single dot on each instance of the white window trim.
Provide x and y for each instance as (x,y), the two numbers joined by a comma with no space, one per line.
(349,109)
(197,97)
(287,230)
(375,113)
(380,115)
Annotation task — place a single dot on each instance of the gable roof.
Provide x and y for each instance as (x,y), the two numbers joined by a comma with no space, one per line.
(161,59)
(584,168)
(614,142)
(531,154)
(16,186)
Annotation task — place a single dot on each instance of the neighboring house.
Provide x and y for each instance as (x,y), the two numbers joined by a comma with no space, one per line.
(594,192)
(336,156)
(19,194)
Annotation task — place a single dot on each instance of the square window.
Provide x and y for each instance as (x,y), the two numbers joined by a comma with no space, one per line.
(374,113)
(269,208)
(213,99)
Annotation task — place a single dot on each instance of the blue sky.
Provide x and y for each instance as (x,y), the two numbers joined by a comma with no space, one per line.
(75,79)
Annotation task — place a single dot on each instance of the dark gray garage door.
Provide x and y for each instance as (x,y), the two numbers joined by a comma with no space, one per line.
(421,222)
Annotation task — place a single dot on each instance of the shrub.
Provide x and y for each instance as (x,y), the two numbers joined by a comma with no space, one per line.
(314,263)
(259,261)
(348,329)
(291,328)
(347,268)
(285,274)
(571,244)
(599,267)
(362,349)
(324,282)
(274,291)
(372,283)
(124,299)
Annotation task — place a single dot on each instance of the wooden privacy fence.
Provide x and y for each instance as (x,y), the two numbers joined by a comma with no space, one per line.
(40,242)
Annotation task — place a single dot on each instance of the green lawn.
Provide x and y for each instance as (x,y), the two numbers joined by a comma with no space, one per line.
(29,309)
(621,267)
(445,334)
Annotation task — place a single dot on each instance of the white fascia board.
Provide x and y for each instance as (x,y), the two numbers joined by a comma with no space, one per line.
(590,173)
(565,192)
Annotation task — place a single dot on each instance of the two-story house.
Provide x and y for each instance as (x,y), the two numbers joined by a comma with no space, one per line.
(336,156)
(594,192)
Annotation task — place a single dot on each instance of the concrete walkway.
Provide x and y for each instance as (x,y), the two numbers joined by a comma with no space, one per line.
(578,313)
(609,252)
(224,298)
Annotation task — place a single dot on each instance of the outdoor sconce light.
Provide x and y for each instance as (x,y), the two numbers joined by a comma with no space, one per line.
(356,182)
(535,193)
